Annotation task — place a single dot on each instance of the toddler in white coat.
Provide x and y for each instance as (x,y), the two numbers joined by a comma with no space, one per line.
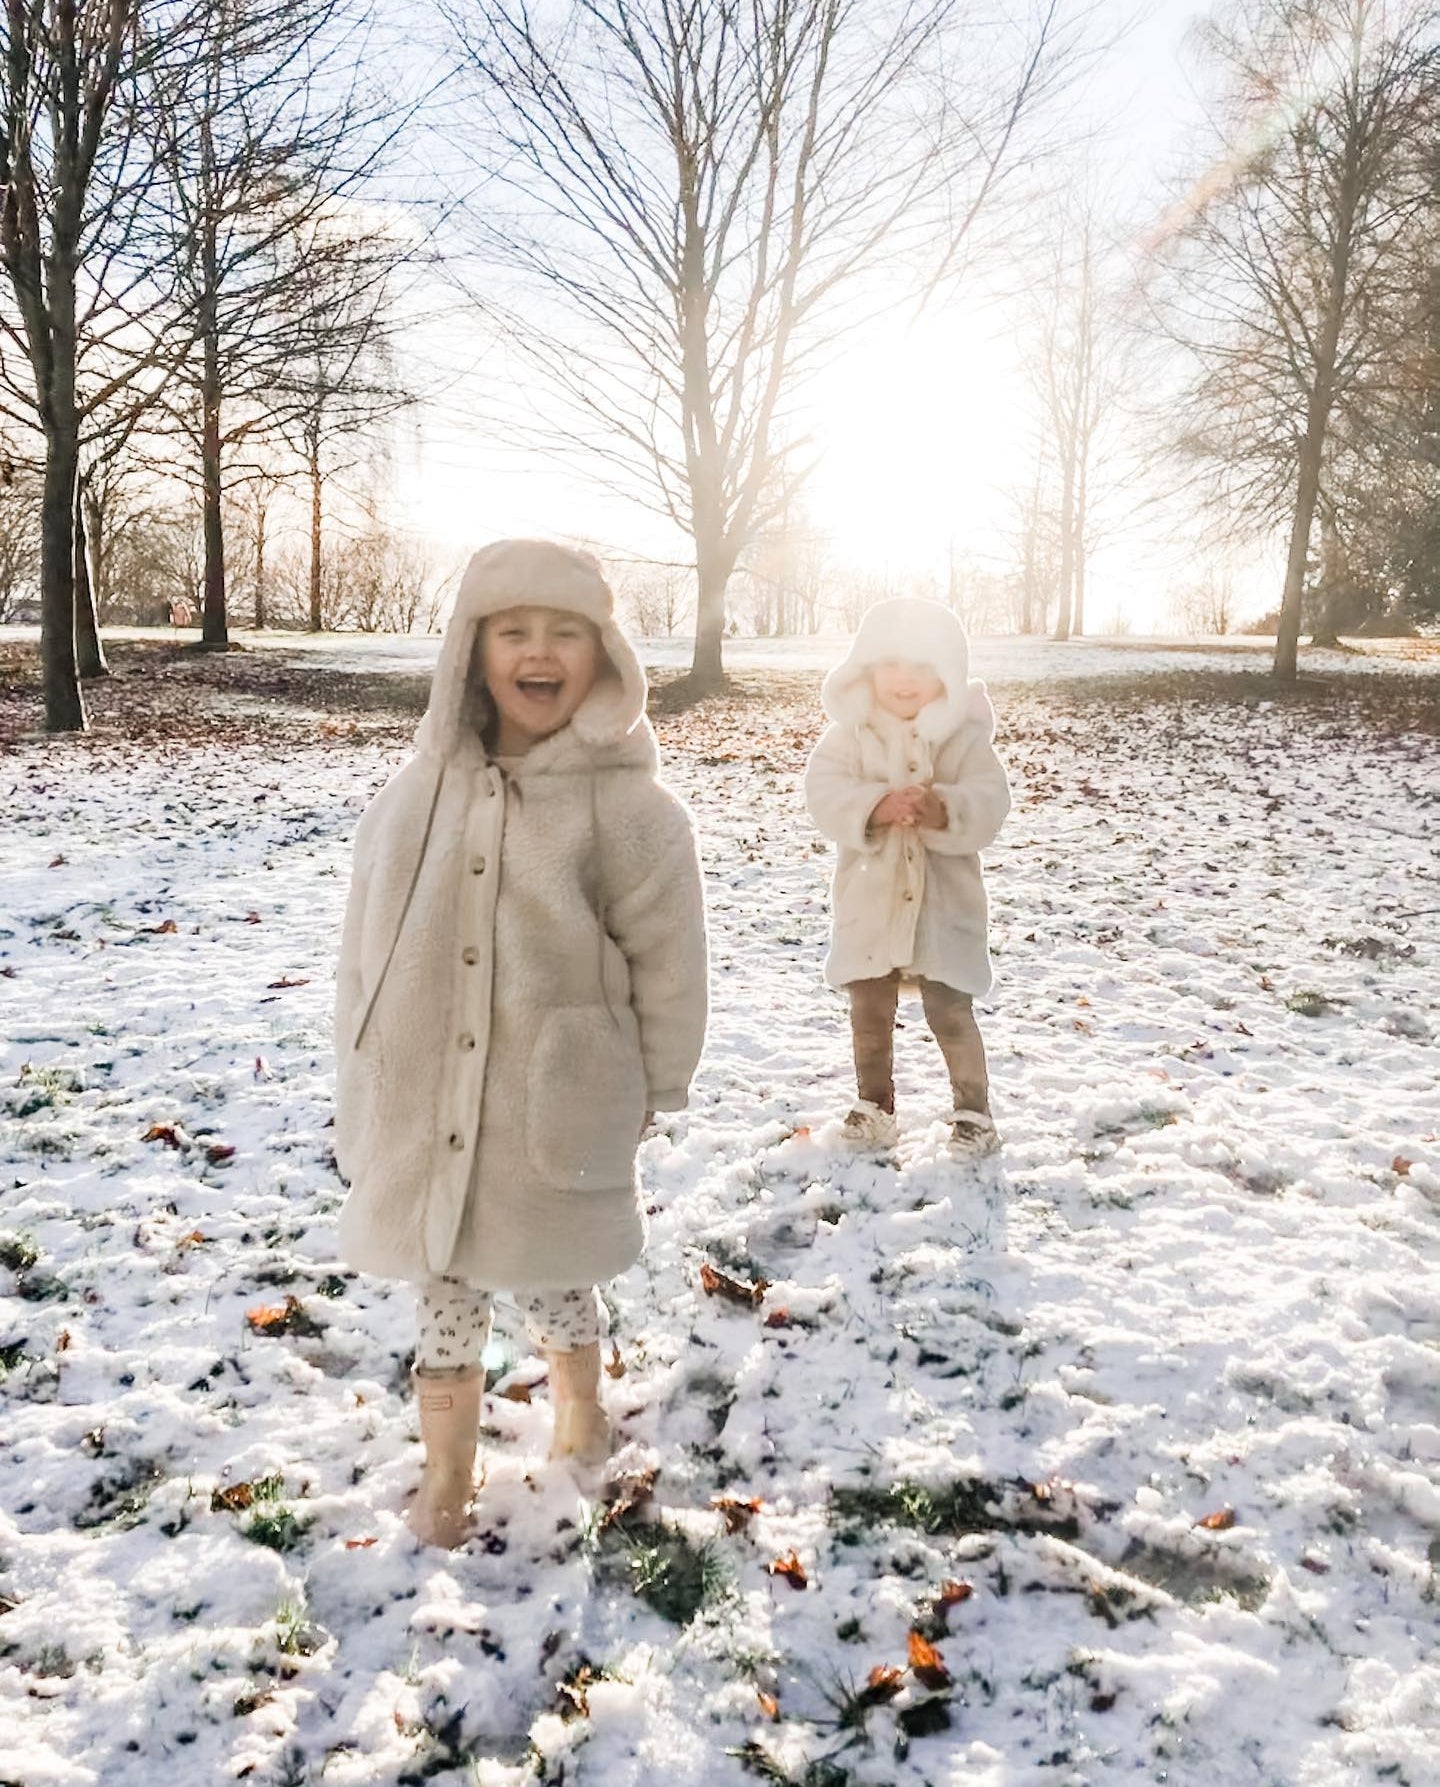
(522,982)
(906,781)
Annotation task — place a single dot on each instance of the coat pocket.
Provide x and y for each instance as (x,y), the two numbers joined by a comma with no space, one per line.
(585,1098)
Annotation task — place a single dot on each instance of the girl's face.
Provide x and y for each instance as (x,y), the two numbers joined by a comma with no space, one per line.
(539,664)
(902,688)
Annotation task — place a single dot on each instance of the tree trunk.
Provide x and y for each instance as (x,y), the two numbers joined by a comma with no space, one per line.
(1077,617)
(317,620)
(89,652)
(713,564)
(64,703)
(214,623)
(1067,549)
(260,565)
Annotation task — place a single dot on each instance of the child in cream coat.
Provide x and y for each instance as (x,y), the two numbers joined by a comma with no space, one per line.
(906,781)
(522,981)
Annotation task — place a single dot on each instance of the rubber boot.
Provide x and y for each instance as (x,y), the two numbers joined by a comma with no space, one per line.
(449,1429)
(582,1431)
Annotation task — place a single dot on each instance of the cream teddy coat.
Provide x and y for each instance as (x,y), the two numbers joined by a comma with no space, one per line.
(522,971)
(908,898)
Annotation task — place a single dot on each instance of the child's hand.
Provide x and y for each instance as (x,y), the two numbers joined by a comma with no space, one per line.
(930,810)
(894,809)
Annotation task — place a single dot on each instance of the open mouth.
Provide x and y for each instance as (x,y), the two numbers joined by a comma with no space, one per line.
(539,688)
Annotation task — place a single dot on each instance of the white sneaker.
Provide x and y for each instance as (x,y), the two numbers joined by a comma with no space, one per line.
(973,1134)
(867,1126)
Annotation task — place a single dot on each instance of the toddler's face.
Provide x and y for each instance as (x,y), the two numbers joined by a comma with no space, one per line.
(903,688)
(539,664)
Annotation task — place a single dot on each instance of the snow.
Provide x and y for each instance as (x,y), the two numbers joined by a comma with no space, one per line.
(1199,1282)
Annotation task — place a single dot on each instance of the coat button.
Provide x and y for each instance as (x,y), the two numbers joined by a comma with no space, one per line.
(477,867)
(457,1141)
(467,1041)
(470,955)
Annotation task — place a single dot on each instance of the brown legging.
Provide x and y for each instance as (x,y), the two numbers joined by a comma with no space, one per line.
(949,1014)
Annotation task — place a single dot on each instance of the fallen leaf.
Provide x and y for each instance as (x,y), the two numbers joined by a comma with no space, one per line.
(168,929)
(57,862)
(193,1239)
(614,1365)
(769,1705)
(169,1133)
(62,1341)
(1400,1165)
(736,1512)
(790,1568)
(1315,1565)
(883,1683)
(626,1495)
(1101,1703)
(515,1393)
(262,1070)
(360,1544)
(1219,1522)
(251,918)
(716,1283)
(285,980)
(218,1152)
(289,1317)
(778,1318)
(926,1663)
(953,1593)
(1267,985)
(232,1500)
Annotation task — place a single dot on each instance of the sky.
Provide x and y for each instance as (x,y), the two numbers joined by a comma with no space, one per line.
(921,434)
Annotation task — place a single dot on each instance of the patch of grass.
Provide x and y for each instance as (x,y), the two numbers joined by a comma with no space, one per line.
(665,1567)
(970,1505)
(1307,1002)
(277,1528)
(118,1498)
(12,1354)
(18,1253)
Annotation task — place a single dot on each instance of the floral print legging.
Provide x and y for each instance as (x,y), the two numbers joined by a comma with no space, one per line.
(454,1322)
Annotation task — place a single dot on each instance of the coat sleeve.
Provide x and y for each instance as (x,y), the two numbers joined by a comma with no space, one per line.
(349,994)
(976,802)
(839,797)
(659,926)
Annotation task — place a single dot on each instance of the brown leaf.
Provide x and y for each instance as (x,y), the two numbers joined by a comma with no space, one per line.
(778,1318)
(232,1500)
(57,862)
(790,1568)
(1101,1703)
(1400,1165)
(1219,1522)
(614,1365)
(624,1496)
(1315,1565)
(193,1239)
(515,1393)
(168,929)
(285,980)
(251,918)
(62,1341)
(883,1683)
(360,1544)
(288,1317)
(926,1663)
(219,1152)
(736,1512)
(716,1283)
(169,1133)
(769,1705)
(953,1593)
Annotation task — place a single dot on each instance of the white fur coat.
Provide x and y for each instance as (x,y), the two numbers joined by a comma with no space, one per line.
(522,973)
(903,897)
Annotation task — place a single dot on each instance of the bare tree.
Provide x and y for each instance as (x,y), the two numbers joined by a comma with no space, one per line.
(263,142)
(1286,260)
(72,220)
(19,533)
(709,197)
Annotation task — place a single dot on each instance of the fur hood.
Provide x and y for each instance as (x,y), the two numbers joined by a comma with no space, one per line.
(922,633)
(610,724)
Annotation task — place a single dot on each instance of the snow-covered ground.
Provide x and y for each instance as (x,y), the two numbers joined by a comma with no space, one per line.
(999,659)
(1139,1428)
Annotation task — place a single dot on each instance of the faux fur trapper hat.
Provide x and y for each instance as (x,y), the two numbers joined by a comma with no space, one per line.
(541,574)
(917,632)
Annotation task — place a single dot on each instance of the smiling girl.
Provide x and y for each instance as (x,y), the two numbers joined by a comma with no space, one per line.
(522,982)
